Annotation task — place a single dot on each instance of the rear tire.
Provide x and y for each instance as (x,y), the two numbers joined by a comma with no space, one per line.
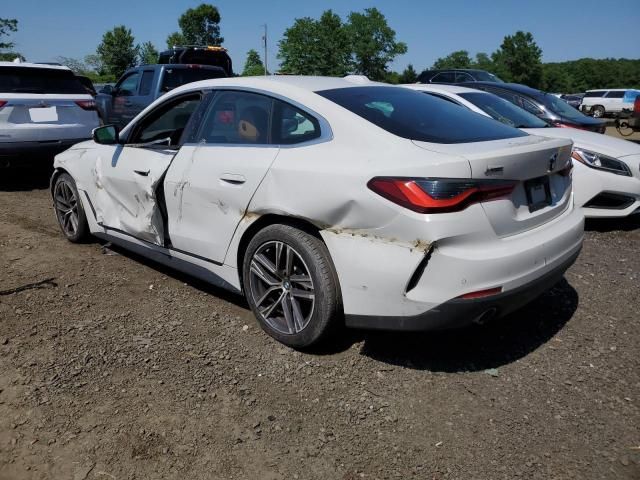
(291,285)
(68,208)
(598,111)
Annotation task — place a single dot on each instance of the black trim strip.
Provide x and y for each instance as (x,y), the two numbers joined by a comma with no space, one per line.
(219,264)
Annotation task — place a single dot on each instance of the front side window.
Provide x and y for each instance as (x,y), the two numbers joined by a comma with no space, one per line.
(167,122)
(413,115)
(595,94)
(463,78)
(238,118)
(129,86)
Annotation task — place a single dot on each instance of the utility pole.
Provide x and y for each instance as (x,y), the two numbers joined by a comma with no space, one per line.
(264,42)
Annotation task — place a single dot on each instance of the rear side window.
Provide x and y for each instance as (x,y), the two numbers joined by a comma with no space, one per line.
(176,77)
(444,77)
(616,94)
(39,80)
(413,115)
(291,125)
(595,94)
(146,82)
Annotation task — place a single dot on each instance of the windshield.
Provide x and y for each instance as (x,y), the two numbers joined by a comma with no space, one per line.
(39,80)
(561,107)
(503,110)
(482,76)
(413,115)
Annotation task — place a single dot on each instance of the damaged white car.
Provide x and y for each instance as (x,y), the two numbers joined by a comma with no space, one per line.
(326,200)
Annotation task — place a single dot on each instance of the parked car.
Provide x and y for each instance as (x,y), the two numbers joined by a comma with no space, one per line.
(319,197)
(140,86)
(608,102)
(543,105)
(200,55)
(44,109)
(573,99)
(457,75)
(606,174)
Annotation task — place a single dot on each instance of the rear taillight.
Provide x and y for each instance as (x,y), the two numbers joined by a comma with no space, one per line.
(439,195)
(636,105)
(86,104)
(3,103)
(481,293)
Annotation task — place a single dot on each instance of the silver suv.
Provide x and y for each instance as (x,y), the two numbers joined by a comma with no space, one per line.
(608,101)
(44,109)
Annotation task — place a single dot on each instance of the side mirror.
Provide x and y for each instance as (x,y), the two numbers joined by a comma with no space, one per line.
(107,90)
(107,135)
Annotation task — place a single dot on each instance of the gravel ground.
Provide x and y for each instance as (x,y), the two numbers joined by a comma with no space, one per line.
(116,368)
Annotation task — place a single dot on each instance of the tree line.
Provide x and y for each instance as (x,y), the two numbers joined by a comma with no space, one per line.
(362,43)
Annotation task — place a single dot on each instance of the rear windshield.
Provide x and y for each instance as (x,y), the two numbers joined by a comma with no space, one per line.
(39,80)
(175,77)
(503,110)
(413,115)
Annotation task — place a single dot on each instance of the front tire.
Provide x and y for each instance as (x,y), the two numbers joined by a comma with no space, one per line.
(291,285)
(68,208)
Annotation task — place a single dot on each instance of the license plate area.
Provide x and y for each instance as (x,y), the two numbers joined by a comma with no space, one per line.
(538,193)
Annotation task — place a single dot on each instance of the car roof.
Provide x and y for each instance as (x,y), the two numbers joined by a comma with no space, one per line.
(439,87)
(33,65)
(308,83)
(455,70)
(611,89)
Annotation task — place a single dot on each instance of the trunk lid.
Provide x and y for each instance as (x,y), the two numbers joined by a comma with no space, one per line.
(542,192)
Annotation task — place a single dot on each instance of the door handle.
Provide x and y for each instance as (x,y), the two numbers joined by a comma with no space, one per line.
(143,173)
(233,178)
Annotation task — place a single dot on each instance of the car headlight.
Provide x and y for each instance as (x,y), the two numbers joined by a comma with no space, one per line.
(601,162)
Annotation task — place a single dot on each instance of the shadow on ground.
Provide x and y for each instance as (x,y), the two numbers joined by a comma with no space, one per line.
(478,347)
(612,224)
(25,179)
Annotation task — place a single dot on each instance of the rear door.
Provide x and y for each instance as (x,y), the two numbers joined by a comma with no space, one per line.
(43,105)
(129,193)
(208,192)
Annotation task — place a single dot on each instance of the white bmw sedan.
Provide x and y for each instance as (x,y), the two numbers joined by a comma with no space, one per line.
(328,200)
(606,177)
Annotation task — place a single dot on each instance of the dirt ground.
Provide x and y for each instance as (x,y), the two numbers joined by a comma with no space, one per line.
(116,368)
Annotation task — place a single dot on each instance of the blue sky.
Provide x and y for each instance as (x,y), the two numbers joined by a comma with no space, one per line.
(565,30)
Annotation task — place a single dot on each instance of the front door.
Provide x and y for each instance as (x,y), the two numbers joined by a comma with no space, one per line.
(122,107)
(129,180)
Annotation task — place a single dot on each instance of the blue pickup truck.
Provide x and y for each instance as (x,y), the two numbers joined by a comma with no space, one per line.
(140,86)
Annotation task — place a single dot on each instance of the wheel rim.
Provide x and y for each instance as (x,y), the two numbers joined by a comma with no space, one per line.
(597,113)
(66,208)
(281,287)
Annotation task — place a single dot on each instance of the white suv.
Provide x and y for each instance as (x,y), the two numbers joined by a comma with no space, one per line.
(44,109)
(601,102)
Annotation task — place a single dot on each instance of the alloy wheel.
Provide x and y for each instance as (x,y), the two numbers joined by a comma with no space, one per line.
(66,205)
(281,287)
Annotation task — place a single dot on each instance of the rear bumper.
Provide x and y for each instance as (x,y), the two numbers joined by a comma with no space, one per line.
(18,154)
(460,313)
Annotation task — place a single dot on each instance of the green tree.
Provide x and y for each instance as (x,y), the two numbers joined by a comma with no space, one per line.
(7,27)
(199,26)
(95,63)
(409,75)
(78,66)
(316,47)
(373,43)
(176,39)
(253,65)
(519,60)
(117,50)
(483,62)
(148,55)
(457,59)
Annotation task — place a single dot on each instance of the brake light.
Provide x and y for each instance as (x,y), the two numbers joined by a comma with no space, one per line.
(3,103)
(439,195)
(193,65)
(86,104)
(481,293)
(636,105)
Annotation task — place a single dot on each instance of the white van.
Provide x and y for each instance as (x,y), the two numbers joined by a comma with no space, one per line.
(612,101)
